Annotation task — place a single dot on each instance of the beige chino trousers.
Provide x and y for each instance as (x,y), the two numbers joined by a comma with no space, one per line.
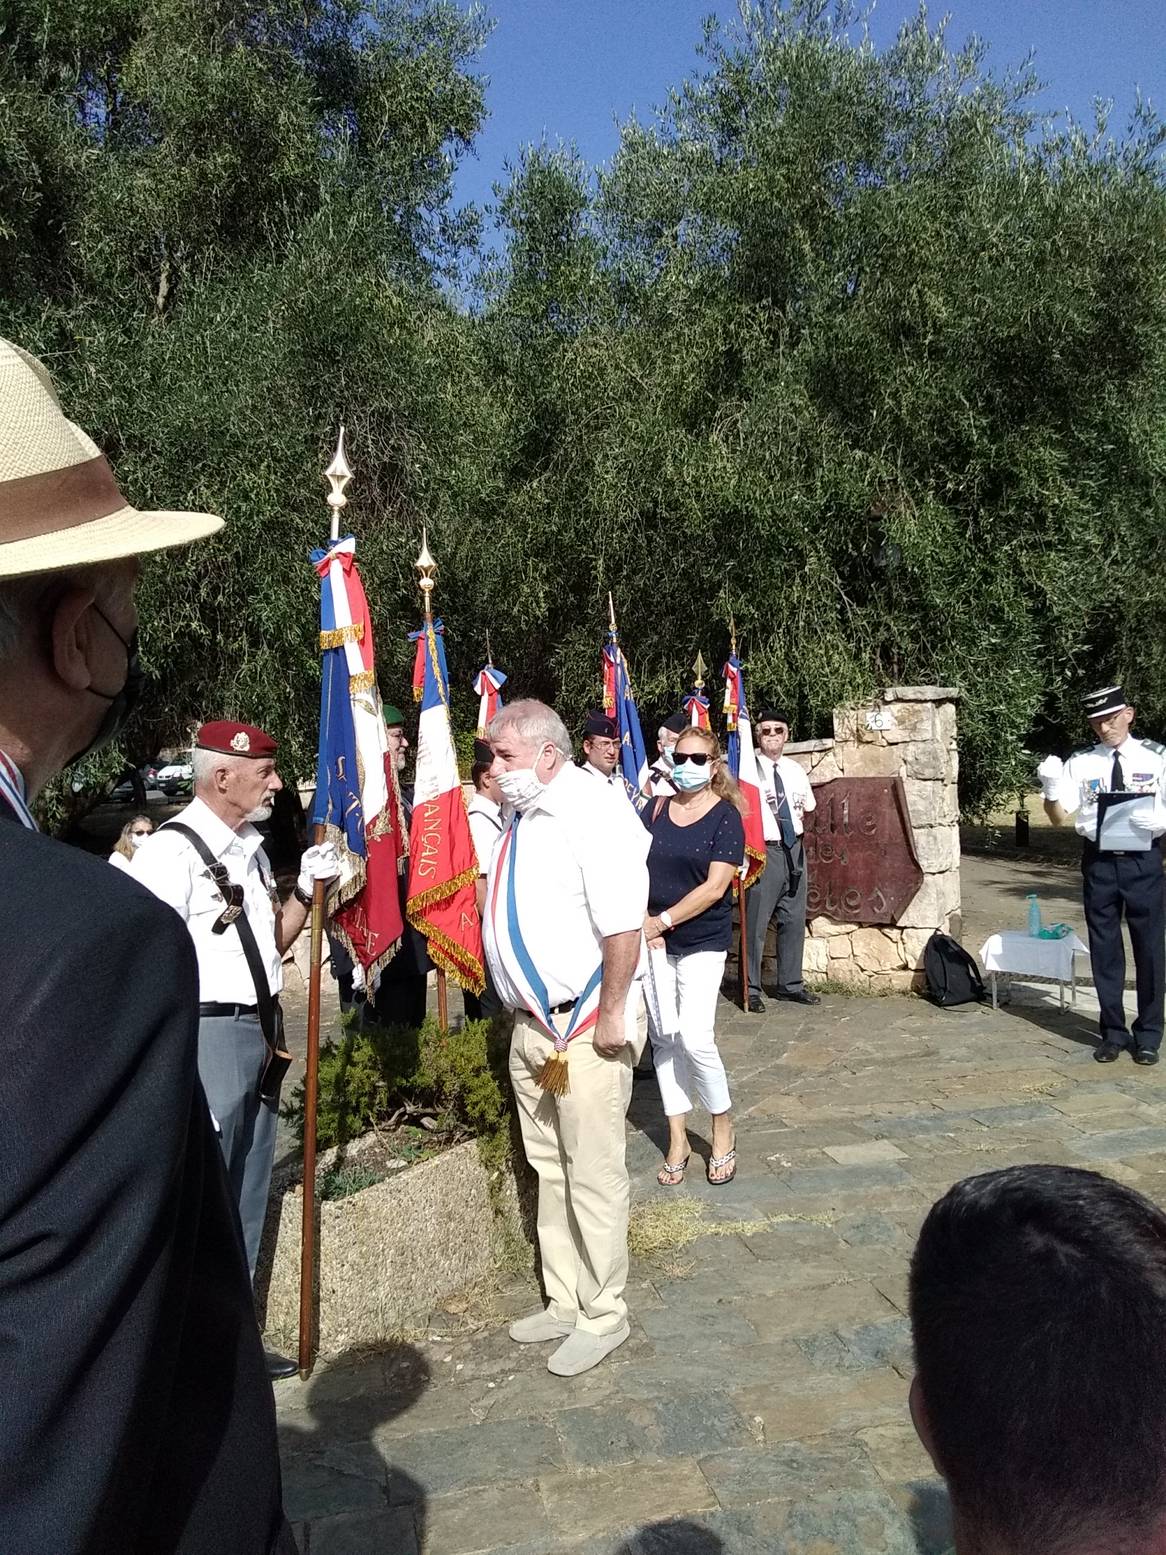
(575,1143)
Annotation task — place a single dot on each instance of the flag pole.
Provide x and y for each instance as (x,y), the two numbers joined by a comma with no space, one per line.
(338,475)
(427,582)
(698,670)
(743,951)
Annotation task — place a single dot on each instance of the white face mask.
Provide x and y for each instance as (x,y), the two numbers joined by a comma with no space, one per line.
(668,756)
(137,838)
(522,785)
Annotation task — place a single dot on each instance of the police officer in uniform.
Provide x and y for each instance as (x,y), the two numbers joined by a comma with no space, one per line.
(1117,877)
(600,747)
(235,783)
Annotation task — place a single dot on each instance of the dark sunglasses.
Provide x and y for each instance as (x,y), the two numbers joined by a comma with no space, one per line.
(149,833)
(698,758)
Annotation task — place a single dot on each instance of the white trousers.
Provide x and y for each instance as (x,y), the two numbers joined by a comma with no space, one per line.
(575,1143)
(684,1041)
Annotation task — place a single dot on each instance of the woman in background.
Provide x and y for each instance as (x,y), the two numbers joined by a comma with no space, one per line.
(133,834)
(698,845)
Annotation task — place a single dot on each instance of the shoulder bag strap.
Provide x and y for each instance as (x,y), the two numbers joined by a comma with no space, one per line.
(263,1000)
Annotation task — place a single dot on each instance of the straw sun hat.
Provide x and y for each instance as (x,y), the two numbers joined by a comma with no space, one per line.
(60,505)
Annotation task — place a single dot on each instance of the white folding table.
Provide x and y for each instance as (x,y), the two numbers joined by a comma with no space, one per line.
(1014,953)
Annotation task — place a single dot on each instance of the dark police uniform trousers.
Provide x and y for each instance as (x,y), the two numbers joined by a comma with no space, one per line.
(1135,882)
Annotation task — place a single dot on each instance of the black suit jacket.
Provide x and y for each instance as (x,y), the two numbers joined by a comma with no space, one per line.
(135,1413)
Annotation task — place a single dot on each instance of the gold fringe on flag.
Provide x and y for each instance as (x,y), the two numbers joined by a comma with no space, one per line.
(339,635)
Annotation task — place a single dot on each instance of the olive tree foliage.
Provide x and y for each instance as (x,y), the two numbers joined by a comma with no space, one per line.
(845,346)
(226,225)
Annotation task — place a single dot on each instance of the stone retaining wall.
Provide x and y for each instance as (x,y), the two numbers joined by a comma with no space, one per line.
(908,732)
(388,1254)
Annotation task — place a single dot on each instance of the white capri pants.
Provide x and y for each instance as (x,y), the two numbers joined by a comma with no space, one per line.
(684,1043)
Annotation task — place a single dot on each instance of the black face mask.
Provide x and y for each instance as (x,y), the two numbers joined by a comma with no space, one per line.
(121,703)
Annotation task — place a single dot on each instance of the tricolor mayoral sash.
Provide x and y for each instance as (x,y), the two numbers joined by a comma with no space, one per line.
(512,948)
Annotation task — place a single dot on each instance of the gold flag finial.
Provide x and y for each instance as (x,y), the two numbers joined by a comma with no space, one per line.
(427,575)
(733,636)
(698,670)
(610,610)
(338,476)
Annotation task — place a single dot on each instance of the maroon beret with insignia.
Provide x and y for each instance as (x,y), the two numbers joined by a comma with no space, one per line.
(232,739)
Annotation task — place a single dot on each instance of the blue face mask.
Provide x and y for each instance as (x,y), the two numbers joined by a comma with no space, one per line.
(688,776)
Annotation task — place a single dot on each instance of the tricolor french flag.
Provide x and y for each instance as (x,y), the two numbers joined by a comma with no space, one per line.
(488,683)
(353,798)
(743,765)
(443,866)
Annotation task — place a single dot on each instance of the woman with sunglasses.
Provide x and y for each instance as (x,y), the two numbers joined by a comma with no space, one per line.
(133,834)
(698,844)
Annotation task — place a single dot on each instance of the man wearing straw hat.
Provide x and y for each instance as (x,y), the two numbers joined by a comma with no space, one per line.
(137,1414)
(564,948)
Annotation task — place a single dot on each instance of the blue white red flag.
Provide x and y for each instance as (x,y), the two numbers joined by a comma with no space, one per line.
(696,705)
(488,683)
(355,801)
(620,704)
(441,902)
(742,763)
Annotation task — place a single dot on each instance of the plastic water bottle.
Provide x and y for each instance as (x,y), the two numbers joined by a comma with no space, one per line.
(1034,923)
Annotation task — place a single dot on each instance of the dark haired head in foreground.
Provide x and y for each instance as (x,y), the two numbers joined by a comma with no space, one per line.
(1038,1307)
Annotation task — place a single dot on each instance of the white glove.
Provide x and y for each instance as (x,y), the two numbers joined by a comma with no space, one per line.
(1051,773)
(1151,821)
(321,862)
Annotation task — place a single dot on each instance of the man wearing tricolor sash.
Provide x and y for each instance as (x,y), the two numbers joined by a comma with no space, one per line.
(566,895)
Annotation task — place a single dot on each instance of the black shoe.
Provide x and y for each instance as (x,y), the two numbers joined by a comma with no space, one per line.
(1107,1052)
(756,1005)
(797,996)
(278,1366)
(1145,1055)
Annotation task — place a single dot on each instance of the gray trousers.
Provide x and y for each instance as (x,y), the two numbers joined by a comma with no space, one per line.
(772,900)
(231,1056)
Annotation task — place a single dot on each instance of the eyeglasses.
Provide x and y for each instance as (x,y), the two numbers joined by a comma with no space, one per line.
(768,730)
(147,833)
(698,758)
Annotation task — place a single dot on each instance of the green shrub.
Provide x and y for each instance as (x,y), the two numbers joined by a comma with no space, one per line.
(456,1077)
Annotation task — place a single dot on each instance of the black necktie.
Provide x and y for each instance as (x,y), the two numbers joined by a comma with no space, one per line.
(1117,780)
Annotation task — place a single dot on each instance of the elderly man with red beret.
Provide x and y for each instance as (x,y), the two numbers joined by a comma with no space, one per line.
(208,864)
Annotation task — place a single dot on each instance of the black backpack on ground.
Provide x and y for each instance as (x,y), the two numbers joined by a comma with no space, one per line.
(952,974)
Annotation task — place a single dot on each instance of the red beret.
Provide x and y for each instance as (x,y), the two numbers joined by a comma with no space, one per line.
(233,739)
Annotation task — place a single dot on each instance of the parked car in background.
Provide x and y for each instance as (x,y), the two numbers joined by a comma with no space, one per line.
(124,791)
(175,778)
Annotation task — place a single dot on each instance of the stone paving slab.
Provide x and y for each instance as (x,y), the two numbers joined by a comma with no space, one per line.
(760,1404)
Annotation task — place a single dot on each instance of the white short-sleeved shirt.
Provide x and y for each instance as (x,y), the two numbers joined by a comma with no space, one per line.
(660,784)
(797,791)
(119,861)
(485,828)
(168,865)
(1088,774)
(581,874)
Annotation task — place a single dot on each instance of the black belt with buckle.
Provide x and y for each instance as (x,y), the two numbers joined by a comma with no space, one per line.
(563,1009)
(212,1008)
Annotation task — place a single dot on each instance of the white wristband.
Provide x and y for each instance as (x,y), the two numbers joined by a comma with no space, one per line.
(665,918)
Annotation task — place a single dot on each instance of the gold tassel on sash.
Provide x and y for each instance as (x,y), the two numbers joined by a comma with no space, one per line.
(553,1076)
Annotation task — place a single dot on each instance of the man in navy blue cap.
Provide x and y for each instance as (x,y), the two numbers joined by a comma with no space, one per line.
(779,897)
(600,746)
(1116,789)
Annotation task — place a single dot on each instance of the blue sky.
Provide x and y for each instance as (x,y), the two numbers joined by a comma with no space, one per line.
(570,69)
